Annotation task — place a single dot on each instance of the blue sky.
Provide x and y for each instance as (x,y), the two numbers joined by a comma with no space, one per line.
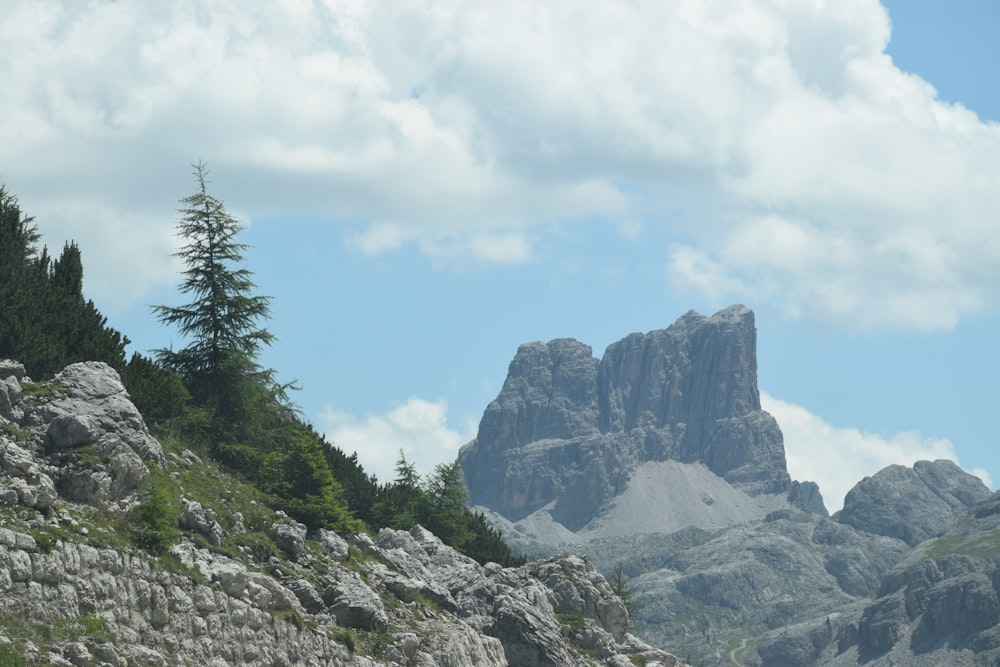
(426,186)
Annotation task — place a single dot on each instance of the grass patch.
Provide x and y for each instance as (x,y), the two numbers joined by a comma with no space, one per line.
(979,545)
(576,621)
(16,434)
(43,391)
(9,656)
(347,637)
(375,642)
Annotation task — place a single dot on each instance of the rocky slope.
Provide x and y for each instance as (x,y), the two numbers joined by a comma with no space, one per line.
(658,460)
(245,585)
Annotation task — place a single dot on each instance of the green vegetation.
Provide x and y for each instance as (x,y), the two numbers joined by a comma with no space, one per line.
(46,321)
(87,628)
(8,656)
(575,621)
(222,324)
(621,585)
(213,397)
(977,545)
(157,515)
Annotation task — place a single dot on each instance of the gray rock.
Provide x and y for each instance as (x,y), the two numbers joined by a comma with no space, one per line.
(93,404)
(307,595)
(73,430)
(11,369)
(354,605)
(112,471)
(193,518)
(209,609)
(10,396)
(912,504)
(290,537)
(333,543)
(566,432)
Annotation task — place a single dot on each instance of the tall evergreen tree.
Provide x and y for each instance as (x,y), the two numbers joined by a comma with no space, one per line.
(222,322)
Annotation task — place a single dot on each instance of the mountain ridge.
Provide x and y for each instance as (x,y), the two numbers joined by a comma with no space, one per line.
(657,461)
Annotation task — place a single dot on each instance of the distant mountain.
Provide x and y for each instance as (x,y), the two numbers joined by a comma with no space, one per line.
(569,436)
(657,461)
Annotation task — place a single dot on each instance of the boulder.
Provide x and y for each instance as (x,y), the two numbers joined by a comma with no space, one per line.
(290,537)
(333,543)
(354,604)
(194,518)
(11,369)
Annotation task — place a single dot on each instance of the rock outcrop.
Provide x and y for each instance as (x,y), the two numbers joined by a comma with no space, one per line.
(939,605)
(73,453)
(912,504)
(567,432)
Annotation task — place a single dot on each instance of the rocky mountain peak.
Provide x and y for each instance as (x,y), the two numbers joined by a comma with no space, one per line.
(568,431)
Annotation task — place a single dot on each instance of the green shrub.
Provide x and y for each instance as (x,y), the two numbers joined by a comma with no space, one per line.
(157,516)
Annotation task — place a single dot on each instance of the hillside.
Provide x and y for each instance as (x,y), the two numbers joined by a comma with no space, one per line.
(117,548)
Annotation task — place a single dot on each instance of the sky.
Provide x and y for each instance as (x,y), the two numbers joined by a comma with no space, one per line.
(427,185)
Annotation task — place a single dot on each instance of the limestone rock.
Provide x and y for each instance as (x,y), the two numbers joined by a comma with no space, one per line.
(354,605)
(307,595)
(194,518)
(289,536)
(912,504)
(567,432)
(10,396)
(334,544)
(93,402)
(11,369)
(318,607)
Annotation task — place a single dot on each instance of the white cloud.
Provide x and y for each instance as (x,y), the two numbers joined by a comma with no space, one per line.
(416,426)
(789,159)
(838,458)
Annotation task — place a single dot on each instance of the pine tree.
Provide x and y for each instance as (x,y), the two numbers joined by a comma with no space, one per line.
(45,322)
(222,322)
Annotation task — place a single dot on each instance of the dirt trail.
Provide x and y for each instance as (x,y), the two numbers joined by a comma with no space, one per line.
(737,650)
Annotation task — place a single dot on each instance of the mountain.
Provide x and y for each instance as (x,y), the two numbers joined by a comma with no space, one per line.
(119,549)
(657,462)
(582,449)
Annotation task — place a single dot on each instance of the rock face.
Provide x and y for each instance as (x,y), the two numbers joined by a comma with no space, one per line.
(912,504)
(657,461)
(309,600)
(567,432)
(940,605)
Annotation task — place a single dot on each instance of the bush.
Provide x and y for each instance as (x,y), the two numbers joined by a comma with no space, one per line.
(156,518)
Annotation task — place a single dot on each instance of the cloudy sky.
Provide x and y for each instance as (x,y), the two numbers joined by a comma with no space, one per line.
(428,184)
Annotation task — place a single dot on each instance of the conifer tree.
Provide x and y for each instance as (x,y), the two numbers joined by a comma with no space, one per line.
(45,321)
(222,322)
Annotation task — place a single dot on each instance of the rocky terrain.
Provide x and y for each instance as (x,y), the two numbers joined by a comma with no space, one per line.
(242,584)
(657,461)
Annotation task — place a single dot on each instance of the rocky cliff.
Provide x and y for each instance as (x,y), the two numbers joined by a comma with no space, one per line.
(657,461)
(245,585)
(568,434)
